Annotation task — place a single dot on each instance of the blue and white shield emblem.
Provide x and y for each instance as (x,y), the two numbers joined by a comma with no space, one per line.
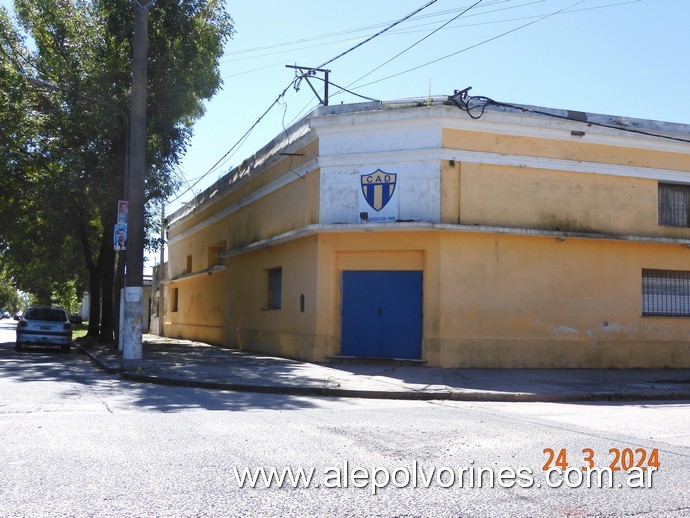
(378,188)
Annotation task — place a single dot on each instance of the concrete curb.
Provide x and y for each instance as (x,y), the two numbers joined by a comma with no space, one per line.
(102,366)
(497,397)
(410,395)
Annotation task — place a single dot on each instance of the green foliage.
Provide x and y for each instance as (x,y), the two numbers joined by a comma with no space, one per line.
(64,149)
(9,298)
(68,297)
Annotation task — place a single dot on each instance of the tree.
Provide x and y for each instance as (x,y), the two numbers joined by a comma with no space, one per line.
(27,174)
(74,159)
(9,298)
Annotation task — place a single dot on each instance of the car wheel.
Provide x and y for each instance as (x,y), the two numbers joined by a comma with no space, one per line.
(65,348)
(17,346)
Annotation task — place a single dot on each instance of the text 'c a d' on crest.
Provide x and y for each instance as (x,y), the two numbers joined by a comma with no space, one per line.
(378,188)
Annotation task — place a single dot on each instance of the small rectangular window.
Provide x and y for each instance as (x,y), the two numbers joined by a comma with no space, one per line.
(665,293)
(275,281)
(674,205)
(173,300)
(189,264)
(214,252)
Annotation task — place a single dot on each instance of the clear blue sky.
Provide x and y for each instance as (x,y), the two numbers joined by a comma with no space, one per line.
(617,57)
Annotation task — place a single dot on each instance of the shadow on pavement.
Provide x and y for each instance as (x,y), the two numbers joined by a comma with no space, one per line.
(241,379)
(47,364)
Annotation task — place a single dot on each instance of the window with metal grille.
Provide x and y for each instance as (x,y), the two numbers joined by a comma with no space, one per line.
(275,281)
(665,293)
(674,205)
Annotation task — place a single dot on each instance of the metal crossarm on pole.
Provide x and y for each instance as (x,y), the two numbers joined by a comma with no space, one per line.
(306,73)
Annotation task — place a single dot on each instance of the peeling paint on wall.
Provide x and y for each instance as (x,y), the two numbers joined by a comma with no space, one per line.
(614,327)
(565,330)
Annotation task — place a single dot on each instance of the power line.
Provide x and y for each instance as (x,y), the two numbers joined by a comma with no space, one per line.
(292,83)
(444,25)
(378,33)
(473,46)
(417,42)
(344,89)
(481,103)
(349,40)
(242,138)
(568,9)
(506,20)
(410,30)
(354,31)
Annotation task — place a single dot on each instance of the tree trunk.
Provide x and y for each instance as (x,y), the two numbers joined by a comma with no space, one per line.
(94,281)
(95,303)
(107,280)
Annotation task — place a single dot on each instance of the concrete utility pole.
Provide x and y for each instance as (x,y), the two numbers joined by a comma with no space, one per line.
(161,275)
(134,281)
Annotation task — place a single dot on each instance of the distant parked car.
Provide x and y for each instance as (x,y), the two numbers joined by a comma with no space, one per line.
(44,325)
(76,319)
(18,315)
(5,314)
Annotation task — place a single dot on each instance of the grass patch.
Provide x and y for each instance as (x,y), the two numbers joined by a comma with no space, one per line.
(79,330)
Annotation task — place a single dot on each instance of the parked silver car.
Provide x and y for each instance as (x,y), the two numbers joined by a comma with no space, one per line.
(44,325)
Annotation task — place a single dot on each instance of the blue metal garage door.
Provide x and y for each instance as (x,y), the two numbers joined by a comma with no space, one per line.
(382,314)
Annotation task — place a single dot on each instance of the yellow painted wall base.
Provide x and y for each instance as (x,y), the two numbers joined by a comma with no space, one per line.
(289,345)
(553,354)
(208,334)
(489,300)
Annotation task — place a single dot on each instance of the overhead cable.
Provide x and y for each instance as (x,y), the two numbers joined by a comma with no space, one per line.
(407,17)
(480,103)
(241,139)
(473,46)
(294,82)
(418,42)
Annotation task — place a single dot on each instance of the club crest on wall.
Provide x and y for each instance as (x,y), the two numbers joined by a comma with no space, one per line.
(378,188)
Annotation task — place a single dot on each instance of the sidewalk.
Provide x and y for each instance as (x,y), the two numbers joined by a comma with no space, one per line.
(193,364)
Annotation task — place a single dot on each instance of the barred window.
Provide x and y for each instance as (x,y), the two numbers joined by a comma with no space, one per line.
(674,205)
(665,293)
(275,281)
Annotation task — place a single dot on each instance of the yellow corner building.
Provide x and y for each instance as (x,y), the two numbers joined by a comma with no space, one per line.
(458,231)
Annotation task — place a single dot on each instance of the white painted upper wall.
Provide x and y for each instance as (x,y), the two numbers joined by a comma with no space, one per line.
(405,139)
(417,191)
(349,149)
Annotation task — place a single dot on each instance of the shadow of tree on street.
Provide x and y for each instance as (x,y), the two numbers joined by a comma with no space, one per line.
(42,364)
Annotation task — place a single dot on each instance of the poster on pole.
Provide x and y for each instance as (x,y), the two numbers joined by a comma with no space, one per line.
(120,237)
(122,211)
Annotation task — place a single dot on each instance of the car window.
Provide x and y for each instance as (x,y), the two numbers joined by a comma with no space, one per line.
(52,315)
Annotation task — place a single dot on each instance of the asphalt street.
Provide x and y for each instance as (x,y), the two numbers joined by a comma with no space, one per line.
(77,441)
